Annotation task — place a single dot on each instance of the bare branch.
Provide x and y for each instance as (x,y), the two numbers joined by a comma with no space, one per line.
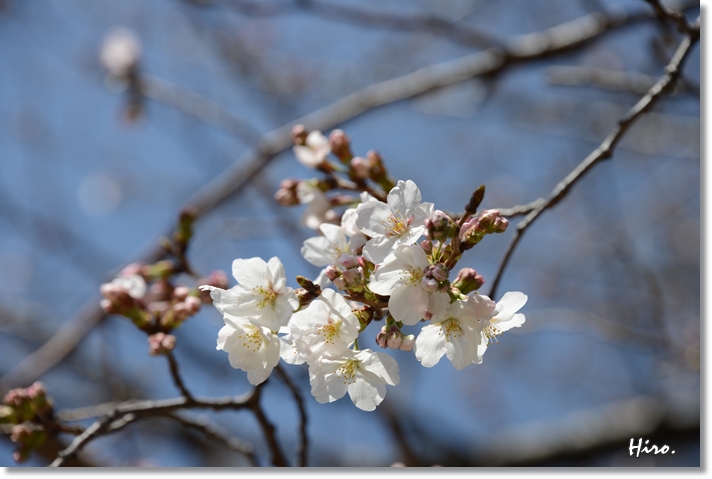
(267,429)
(603,152)
(304,441)
(634,82)
(675,17)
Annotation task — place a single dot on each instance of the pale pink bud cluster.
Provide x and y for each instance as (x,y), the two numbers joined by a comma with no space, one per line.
(391,337)
(286,195)
(434,278)
(161,343)
(347,273)
(440,226)
(340,144)
(474,229)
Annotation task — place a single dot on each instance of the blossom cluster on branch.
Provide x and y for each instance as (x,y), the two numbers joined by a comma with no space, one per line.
(375,269)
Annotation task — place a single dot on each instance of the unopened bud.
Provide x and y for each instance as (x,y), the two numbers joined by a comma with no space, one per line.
(158,307)
(160,343)
(429,284)
(20,433)
(352,276)
(474,229)
(332,273)
(192,304)
(394,340)
(340,144)
(468,280)
(180,293)
(339,282)
(407,343)
(348,261)
(161,290)
(299,134)
(475,200)
(382,337)
(427,246)
(360,167)
(364,316)
(287,193)
(440,226)
(436,271)
(131,269)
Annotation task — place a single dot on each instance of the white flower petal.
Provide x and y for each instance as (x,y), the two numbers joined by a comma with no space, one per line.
(408,304)
(430,345)
(378,249)
(318,251)
(278,278)
(509,304)
(371,218)
(251,273)
(365,395)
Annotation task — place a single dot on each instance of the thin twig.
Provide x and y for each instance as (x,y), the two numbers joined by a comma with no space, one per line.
(212,431)
(175,373)
(533,46)
(604,151)
(304,442)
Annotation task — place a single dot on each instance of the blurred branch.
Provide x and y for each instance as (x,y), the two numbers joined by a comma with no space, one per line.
(418,22)
(197,106)
(605,149)
(304,442)
(529,47)
(267,429)
(212,431)
(610,80)
(675,17)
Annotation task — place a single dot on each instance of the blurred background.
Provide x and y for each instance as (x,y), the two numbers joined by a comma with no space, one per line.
(91,176)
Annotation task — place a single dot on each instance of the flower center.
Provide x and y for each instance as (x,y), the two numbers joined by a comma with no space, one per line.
(491,332)
(416,275)
(347,371)
(252,340)
(268,297)
(451,328)
(397,225)
(330,331)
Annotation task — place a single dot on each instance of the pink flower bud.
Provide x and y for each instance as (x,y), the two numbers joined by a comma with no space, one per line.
(407,343)
(19,433)
(193,304)
(15,397)
(348,261)
(332,273)
(131,269)
(340,144)
(36,390)
(352,276)
(394,340)
(161,343)
(158,307)
(181,292)
(427,246)
(299,134)
(360,167)
(382,337)
(340,283)
(108,306)
(468,280)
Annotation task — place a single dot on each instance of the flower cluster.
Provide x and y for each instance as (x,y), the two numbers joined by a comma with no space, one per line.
(373,257)
(30,414)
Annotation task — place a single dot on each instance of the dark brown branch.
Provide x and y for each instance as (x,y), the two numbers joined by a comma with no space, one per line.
(212,431)
(268,430)
(304,438)
(175,373)
(634,82)
(603,152)
(116,416)
(533,46)
(675,17)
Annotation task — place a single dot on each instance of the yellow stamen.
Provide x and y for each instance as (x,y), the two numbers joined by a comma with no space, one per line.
(348,371)
(252,340)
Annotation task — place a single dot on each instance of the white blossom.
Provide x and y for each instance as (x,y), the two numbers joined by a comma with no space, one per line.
(504,318)
(262,294)
(134,284)
(326,326)
(251,348)
(326,250)
(402,278)
(363,374)
(456,334)
(287,349)
(315,151)
(400,222)
(120,51)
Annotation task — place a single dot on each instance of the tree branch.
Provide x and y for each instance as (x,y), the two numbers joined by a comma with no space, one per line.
(603,152)
(304,441)
(175,373)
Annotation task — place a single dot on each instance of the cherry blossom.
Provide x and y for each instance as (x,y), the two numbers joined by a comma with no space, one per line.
(326,326)
(251,347)
(400,222)
(262,294)
(504,318)
(456,333)
(412,296)
(363,374)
